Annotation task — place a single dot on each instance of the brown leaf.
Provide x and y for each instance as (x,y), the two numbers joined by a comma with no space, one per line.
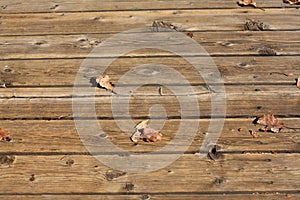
(292,2)
(190,34)
(159,23)
(271,123)
(298,82)
(145,133)
(151,135)
(139,127)
(254,134)
(105,82)
(4,135)
(247,3)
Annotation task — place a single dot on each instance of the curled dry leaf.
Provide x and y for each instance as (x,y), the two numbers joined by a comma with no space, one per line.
(298,82)
(190,34)
(270,123)
(105,82)
(254,25)
(4,135)
(247,3)
(145,133)
(159,23)
(151,135)
(254,134)
(292,2)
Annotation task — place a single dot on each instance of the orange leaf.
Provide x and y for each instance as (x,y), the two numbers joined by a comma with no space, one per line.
(298,82)
(271,123)
(4,135)
(292,2)
(145,133)
(151,135)
(105,82)
(247,3)
(254,134)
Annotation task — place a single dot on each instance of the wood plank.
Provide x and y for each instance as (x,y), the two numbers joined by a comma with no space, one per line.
(61,73)
(238,104)
(109,22)
(31,6)
(149,90)
(61,136)
(234,172)
(215,43)
(254,196)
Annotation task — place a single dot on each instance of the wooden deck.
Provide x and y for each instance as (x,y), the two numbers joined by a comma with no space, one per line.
(42,46)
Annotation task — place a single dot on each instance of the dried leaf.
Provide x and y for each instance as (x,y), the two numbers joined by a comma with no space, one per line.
(4,135)
(105,82)
(254,134)
(145,133)
(298,82)
(142,124)
(247,3)
(271,123)
(190,34)
(292,2)
(159,23)
(151,135)
(254,25)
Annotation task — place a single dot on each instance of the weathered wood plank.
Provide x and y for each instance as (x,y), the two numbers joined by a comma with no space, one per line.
(215,43)
(85,174)
(238,104)
(242,70)
(109,22)
(61,136)
(14,6)
(254,196)
(149,90)
(67,92)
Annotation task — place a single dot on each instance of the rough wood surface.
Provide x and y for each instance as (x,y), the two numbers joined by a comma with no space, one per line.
(253,196)
(84,174)
(43,45)
(251,70)
(110,22)
(31,6)
(215,43)
(60,136)
(237,106)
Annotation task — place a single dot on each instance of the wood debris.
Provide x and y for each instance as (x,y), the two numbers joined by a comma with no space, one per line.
(105,82)
(4,135)
(145,133)
(292,2)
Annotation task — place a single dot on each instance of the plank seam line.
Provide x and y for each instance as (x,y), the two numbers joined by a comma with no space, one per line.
(296,152)
(260,192)
(147,9)
(156,56)
(104,33)
(145,117)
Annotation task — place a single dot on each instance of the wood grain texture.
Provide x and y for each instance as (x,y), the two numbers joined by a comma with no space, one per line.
(251,70)
(253,196)
(110,22)
(43,45)
(61,136)
(215,43)
(250,105)
(31,6)
(234,172)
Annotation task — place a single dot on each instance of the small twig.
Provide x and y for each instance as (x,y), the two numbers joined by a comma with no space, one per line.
(289,74)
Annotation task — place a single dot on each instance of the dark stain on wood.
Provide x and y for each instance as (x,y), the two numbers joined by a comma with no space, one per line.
(111,175)
(7,159)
